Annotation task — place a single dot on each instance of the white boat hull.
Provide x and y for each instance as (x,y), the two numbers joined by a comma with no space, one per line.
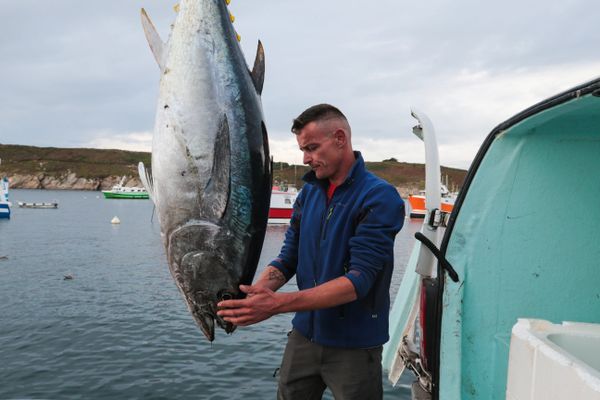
(282,205)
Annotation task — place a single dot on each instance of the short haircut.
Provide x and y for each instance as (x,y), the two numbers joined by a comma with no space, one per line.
(320,112)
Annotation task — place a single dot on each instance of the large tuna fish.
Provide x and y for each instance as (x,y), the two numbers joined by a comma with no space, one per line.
(211,170)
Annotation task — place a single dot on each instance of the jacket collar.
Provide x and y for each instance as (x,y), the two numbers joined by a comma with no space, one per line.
(356,172)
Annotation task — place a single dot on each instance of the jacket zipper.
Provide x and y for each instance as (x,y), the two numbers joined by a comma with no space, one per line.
(324,221)
(324,230)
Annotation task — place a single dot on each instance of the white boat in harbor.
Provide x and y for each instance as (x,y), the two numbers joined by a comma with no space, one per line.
(23,204)
(125,192)
(4,203)
(282,204)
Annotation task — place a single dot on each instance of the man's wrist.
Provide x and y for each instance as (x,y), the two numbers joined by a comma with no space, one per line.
(283,301)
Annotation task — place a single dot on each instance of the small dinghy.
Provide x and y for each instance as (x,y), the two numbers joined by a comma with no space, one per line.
(23,204)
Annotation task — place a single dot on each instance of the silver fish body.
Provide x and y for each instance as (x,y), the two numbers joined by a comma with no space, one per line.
(211,169)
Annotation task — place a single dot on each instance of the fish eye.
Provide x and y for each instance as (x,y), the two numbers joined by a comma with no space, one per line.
(225,295)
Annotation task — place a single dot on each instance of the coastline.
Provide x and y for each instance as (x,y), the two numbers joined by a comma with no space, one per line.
(68,181)
(30,167)
(73,182)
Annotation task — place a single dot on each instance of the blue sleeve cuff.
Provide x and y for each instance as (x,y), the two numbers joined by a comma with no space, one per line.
(361,286)
(287,272)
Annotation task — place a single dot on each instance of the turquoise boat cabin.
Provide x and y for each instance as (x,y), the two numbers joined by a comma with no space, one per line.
(524,242)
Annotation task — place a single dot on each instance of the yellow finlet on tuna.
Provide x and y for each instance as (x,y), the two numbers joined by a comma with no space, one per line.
(232,19)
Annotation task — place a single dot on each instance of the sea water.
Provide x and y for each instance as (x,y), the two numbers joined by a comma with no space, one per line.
(120,329)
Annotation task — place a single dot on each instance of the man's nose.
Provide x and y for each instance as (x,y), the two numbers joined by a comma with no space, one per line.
(306,158)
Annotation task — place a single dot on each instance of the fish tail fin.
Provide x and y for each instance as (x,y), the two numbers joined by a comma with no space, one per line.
(156,44)
(146,179)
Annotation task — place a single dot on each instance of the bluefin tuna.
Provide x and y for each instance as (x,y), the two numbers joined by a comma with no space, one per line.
(211,169)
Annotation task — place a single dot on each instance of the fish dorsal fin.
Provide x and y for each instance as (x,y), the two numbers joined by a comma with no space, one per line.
(216,193)
(156,44)
(258,72)
(146,181)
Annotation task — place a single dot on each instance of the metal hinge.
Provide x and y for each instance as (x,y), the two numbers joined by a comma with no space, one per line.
(412,361)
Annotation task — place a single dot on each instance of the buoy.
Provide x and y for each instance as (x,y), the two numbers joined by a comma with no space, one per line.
(115,220)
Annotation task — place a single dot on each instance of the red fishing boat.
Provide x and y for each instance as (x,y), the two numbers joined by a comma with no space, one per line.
(282,204)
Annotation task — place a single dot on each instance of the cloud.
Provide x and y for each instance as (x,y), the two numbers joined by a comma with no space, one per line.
(72,70)
(285,150)
(133,141)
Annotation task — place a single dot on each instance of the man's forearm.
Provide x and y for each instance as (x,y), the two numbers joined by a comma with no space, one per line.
(263,302)
(271,278)
(329,294)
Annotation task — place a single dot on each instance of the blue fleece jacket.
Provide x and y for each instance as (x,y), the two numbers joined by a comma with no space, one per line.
(352,236)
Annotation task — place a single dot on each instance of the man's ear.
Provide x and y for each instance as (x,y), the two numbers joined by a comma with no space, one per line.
(340,137)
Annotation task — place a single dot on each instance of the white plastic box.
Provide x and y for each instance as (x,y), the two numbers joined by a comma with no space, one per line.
(554,361)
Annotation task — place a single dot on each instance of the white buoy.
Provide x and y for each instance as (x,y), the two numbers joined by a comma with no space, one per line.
(115,220)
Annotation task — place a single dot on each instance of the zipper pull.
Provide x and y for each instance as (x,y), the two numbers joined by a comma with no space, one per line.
(330,212)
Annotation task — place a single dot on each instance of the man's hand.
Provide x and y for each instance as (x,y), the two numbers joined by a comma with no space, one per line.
(263,303)
(260,304)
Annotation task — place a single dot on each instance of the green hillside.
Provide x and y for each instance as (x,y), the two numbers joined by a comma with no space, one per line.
(99,163)
(85,163)
(399,174)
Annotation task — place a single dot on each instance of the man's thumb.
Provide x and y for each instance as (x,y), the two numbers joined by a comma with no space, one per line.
(245,288)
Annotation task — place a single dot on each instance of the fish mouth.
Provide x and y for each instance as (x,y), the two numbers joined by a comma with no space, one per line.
(207,326)
(206,317)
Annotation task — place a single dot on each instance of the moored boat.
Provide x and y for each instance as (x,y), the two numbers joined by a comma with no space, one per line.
(4,203)
(23,204)
(125,192)
(282,204)
(417,202)
(4,210)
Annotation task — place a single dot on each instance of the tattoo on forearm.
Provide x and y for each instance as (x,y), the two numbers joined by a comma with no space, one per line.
(276,275)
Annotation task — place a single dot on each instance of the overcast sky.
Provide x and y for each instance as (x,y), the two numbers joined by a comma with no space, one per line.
(81,74)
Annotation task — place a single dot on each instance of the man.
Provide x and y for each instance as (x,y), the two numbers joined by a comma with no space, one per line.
(340,246)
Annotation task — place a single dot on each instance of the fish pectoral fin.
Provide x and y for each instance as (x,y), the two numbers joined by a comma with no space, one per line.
(156,44)
(216,193)
(146,179)
(258,71)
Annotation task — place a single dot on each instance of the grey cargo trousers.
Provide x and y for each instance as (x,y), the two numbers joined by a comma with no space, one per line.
(308,369)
